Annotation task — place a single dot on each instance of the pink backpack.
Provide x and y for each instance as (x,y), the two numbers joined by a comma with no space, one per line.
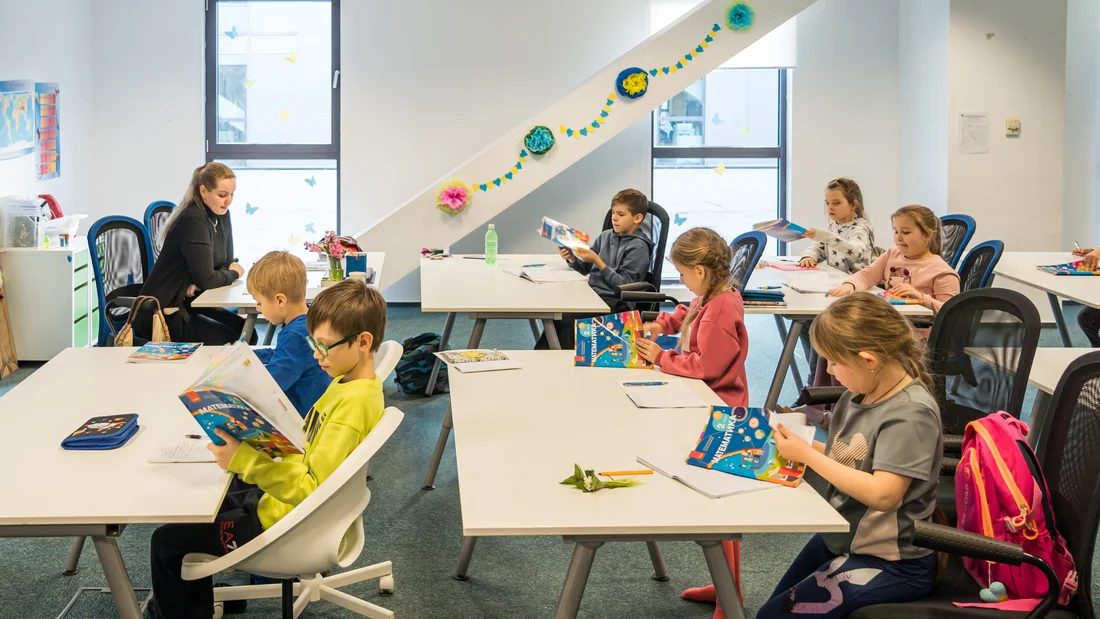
(1001,493)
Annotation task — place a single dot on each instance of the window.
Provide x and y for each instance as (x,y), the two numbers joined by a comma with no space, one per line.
(719,153)
(273,115)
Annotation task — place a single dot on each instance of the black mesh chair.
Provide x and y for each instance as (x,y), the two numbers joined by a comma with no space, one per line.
(976,270)
(156,215)
(1068,449)
(957,232)
(120,253)
(655,225)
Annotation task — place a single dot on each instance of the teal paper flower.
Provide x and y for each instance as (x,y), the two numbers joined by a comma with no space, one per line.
(539,140)
(739,16)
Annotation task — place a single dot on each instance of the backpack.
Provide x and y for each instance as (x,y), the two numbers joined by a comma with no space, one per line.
(1002,493)
(159,331)
(415,367)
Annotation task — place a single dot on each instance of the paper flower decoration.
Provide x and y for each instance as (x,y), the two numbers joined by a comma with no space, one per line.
(739,16)
(539,140)
(454,197)
(632,83)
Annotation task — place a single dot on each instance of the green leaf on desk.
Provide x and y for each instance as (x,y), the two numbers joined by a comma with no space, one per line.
(589,481)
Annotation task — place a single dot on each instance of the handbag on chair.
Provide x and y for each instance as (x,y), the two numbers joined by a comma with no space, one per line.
(158,332)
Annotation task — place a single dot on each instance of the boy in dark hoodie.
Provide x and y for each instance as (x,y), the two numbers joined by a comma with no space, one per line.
(621,255)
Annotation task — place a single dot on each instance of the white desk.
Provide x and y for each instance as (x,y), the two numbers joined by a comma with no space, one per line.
(97,493)
(236,294)
(1021,266)
(462,284)
(517,419)
(801,309)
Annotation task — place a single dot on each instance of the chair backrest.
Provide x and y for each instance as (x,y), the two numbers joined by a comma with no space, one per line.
(957,232)
(998,324)
(323,531)
(976,270)
(655,226)
(120,254)
(156,214)
(386,359)
(747,250)
(1068,449)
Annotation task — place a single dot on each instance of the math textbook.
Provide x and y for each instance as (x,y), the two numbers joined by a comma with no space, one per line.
(163,351)
(608,341)
(740,441)
(564,235)
(238,395)
(1068,268)
(781,229)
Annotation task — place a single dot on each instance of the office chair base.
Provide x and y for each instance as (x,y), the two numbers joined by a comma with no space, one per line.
(322,588)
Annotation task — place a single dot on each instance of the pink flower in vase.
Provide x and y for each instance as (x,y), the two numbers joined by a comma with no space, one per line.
(454,197)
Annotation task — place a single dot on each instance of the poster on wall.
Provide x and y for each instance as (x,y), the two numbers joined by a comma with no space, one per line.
(17,127)
(47,100)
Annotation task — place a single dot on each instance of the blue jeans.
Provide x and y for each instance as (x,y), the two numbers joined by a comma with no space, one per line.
(822,584)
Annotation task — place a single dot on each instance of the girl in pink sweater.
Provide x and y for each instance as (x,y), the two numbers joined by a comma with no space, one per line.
(914,269)
(713,342)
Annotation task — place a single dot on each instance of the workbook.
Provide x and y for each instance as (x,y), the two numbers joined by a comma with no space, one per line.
(712,484)
(163,351)
(756,296)
(1068,268)
(781,229)
(238,395)
(608,341)
(470,360)
(815,282)
(546,275)
(566,236)
(740,441)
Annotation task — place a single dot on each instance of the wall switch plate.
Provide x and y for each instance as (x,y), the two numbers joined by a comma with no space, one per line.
(1012,126)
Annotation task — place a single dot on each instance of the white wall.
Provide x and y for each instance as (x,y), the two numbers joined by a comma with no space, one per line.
(62,59)
(844,107)
(1081,217)
(923,27)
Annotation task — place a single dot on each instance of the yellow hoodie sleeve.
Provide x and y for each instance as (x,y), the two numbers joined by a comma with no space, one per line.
(290,481)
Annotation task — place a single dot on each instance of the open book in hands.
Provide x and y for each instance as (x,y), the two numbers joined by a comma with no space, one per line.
(566,236)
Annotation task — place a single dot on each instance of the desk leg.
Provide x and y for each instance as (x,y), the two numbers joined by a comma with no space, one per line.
(551,334)
(784,363)
(269,334)
(117,578)
(659,572)
(249,326)
(73,561)
(794,366)
(535,329)
(1060,320)
(443,341)
(445,431)
(577,577)
(722,578)
(463,569)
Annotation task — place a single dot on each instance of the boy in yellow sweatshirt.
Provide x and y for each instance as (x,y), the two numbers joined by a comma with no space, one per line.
(347,323)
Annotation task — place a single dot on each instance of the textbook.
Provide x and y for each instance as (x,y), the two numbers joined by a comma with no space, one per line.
(608,341)
(763,297)
(893,299)
(163,351)
(564,235)
(237,394)
(781,229)
(471,360)
(1068,268)
(740,441)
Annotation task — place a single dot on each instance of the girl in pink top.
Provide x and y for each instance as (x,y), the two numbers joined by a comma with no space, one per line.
(914,269)
(713,342)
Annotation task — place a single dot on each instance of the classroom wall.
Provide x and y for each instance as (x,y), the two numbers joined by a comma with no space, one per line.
(47,41)
(1081,216)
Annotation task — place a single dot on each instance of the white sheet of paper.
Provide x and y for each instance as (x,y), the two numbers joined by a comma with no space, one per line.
(544,275)
(974,133)
(672,463)
(674,394)
(794,422)
(179,447)
(818,282)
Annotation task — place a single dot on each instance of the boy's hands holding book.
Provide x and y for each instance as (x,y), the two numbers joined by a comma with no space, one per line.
(647,349)
(223,454)
(567,255)
(791,446)
(587,255)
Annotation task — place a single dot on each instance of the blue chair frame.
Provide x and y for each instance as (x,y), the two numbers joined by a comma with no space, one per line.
(987,276)
(970,225)
(152,209)
(761,244)
(107,328)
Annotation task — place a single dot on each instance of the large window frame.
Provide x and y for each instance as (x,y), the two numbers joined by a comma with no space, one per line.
(780,152)
(216,151)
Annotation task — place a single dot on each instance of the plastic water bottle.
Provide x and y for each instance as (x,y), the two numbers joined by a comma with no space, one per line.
(491,245)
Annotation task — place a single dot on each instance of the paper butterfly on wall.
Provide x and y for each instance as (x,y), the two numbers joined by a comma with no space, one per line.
(311,181)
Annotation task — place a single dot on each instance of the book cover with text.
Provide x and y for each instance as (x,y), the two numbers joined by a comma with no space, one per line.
(740,441)
(609,341)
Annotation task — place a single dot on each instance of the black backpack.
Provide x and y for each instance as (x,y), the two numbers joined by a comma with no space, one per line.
(415,368)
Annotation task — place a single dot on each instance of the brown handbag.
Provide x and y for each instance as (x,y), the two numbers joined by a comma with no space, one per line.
(159,332)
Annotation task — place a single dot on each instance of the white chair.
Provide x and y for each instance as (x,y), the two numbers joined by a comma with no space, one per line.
(386,359)
(323,532)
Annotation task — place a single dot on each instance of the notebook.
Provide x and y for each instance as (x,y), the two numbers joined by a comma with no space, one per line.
(608,341)
(186,444)
(740,441)
(661,392)
(781,229)
(1068,268)
(545,275)
(471,360)
(712,484)
(812,282)
(107,432)
(163,351)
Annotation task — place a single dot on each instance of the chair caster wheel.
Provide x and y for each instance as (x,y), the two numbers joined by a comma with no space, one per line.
(219,610)
(385,584)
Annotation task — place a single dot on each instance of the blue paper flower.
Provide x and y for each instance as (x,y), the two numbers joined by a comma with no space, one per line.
(632,83)
(539,140)
(739,16)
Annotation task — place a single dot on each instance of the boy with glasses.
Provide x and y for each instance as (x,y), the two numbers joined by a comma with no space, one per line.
(346,324)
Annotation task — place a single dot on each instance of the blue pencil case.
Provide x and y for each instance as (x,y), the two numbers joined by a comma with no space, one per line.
(100,433)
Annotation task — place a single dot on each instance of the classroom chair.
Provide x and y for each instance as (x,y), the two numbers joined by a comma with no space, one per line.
(1068,433)
(976,270)
(325,531)
(156,215)
(957,232)
(121,256)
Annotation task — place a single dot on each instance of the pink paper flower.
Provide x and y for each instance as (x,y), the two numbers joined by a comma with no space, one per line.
(454,196)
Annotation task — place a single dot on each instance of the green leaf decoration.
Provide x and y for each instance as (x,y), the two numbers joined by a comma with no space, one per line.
(588,481)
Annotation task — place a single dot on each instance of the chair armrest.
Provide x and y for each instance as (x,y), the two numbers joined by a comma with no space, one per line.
(952,442)
(816,396)
(948,466)
(645,297)
(649,316)
(637,287)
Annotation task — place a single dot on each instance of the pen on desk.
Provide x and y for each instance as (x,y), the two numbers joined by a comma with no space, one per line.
(194,436)
(541,264)
(645,383)
(623,473)
(474,257)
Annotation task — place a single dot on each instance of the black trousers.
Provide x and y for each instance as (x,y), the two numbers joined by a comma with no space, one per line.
(214,326)
(236,525)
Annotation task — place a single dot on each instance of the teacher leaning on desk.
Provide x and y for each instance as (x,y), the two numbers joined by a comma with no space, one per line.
(197,255)
(1088,318)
